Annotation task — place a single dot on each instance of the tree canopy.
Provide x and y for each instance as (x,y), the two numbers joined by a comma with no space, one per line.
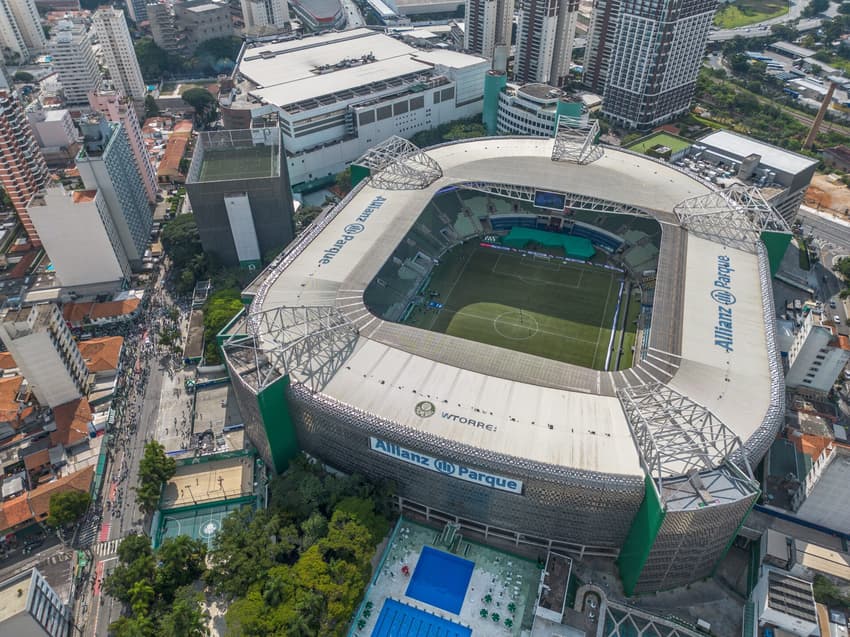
(151,107)
(23,76)
(67,507)
(181,240)
(155,468)
(154,62)
(219,309)
(204,104)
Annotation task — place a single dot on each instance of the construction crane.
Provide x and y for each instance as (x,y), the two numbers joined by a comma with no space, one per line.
(824,106)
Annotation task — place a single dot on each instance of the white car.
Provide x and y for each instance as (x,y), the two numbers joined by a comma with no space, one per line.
(837,319)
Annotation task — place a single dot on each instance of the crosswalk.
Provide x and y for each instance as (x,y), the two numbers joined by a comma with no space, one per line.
(104,549)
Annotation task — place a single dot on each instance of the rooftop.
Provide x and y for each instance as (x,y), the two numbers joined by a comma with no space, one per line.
(102,354)
(83,196)
(14,593)
(772,156)
(72,420)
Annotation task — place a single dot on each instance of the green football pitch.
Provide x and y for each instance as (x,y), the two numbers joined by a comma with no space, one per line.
(239,163)
(556,310)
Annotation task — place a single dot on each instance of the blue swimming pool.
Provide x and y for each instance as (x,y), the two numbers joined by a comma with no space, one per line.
(440,579)
(400,620)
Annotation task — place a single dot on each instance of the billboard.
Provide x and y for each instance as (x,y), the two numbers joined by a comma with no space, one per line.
(550,200)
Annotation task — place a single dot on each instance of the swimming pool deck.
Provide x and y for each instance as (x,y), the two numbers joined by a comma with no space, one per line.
(505,578)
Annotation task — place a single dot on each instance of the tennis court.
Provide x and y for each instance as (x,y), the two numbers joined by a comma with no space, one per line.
(546,307)
(239,163)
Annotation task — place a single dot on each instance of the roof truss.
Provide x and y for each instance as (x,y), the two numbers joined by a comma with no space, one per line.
(398,164)
(575,140)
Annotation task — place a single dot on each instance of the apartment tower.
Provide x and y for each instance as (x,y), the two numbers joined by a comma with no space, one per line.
(544,43)
(643,57)
(73,59)
(264,17)
(20,29)
(488,24)
(114,38)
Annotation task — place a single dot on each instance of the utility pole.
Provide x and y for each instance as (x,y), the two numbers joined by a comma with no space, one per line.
(824,106)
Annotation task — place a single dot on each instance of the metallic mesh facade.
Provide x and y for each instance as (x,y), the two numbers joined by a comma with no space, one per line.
(690,543)
(557,503)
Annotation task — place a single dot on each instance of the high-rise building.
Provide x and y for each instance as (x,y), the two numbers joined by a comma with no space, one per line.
(239,188)
(55,133)
(114,38)
(544,42)
(72,221)
(263,17)
(106,163)
(202,20)
(117,108)
(137,10)
(31,607)
(163,26)
(23,171)
(817,356)
(643,57)
(488,23)
(46,353)
(73,59)
(20,29)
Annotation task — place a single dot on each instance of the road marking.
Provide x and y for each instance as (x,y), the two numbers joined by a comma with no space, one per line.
(105,528)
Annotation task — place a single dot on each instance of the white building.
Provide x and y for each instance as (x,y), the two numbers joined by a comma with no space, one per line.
(265,16)
(533,109)
(544,41)
(20,29)
(70,220)
(120,110)
(46,353)
(29,607)
(785,602)
(487,23)
(114,38)
(73,59)
(339,94)
(816,357)
(52,127)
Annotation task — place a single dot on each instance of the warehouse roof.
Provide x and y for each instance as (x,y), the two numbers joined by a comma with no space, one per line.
(772,156)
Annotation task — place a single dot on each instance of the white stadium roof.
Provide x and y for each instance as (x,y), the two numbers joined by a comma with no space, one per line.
(528,416)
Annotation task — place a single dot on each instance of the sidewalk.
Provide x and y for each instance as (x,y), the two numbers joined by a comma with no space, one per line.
(826,215)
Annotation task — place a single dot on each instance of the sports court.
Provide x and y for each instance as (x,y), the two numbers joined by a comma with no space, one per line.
(198,522)
(221,479)
(542,306)
(239,163)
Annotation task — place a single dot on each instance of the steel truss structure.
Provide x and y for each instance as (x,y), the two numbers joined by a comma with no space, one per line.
(575,140)
(584,203)
(734,217)
(312,340)
(399,164)
(674,435)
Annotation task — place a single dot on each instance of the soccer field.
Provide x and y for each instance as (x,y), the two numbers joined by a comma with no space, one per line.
(239,163)
(544,307)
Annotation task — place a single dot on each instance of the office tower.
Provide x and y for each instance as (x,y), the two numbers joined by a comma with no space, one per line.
(117,108)
(544,42)
(137,10)
(46,353)
(77,231)
(73,59)
(239,188)
(114,38)
(20,29)
(106,163)
(163,27)
(23,171)
(643,57)
(265,16)
(488,23)
(32,607)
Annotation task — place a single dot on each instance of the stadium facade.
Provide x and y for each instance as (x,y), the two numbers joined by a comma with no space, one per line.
(650,465)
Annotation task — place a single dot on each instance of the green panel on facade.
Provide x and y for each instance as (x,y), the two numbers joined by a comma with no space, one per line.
(776,244)
(641,537)
(280,430)
(358,174)
(494,82)
(253,265)
(570,109)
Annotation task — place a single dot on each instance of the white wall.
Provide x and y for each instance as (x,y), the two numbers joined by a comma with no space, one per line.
(42,366)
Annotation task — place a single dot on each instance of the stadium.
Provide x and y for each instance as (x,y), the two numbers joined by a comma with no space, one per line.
(548,342)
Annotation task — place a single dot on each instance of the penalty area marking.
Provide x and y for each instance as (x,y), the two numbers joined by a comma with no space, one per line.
(525,322)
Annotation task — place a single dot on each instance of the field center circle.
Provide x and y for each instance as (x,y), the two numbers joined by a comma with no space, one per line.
(515,325)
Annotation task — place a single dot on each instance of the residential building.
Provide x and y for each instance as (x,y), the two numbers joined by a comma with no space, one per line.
(530,109)
(817,356)
(114,38)
(172,168)
(137,10)
(29,606)
(46,353)
(55,133)
(488,23)
(544,41)
(264,17)
(337,95)
(643,57)
(106,163)
(201,20)
(163,26)
(785,602)
(71,221)
(240,195)
(23,171)
(119,109)
(74,61)
(21,35)
(121,310)
(783,176)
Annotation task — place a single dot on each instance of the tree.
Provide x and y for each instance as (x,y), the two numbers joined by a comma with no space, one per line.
(67,507)
(204,104)
(844,8)
(23,76)
(343,180)
(154,62)
(182,241)
(151,107)
(219,310)
(218,54)
(181,562)
(155,468)
(186,617)
(815,7)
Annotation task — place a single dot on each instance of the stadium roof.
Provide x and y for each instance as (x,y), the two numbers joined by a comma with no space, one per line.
(296,70)
(542,410)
